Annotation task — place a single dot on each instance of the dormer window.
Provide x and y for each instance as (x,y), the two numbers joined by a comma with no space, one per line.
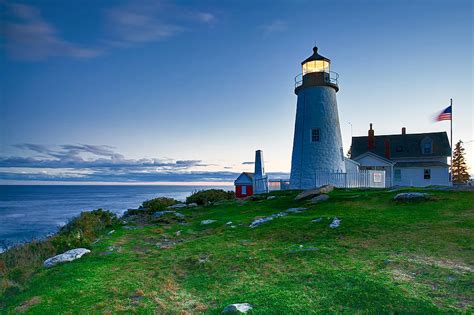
(427,146)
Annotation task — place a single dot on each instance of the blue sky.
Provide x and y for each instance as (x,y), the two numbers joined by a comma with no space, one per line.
(162,91)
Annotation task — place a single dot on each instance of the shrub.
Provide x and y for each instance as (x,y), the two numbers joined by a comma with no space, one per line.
(158,204)
(204,197)
(19,262)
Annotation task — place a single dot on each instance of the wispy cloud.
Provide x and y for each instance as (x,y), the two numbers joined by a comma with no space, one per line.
(248,163)
(275,26)
(28,36)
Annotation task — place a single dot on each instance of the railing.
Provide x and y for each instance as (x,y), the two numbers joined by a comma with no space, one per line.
(331,77)
(358,179)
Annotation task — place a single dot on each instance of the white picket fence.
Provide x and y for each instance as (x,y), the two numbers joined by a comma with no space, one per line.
(357,179)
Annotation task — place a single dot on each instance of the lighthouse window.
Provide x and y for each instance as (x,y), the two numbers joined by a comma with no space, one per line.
(315,135)
(316,66)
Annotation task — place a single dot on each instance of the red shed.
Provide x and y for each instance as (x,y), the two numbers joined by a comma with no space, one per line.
(244,185)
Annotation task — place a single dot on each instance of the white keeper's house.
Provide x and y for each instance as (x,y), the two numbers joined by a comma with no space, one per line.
(408,159)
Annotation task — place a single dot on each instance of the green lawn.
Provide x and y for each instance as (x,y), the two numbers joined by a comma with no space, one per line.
(384,257)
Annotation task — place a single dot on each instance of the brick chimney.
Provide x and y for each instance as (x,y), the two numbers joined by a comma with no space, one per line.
(386,149)
(371,138)
(404,131)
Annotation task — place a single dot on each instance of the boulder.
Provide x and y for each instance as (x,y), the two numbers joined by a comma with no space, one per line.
(410,196)
(193,204)
(70,255)
(335,223)
(319,198)
(178,206)
(238,308)
(315,192)
(317,220)
(206,222)
(271,197)
(159,214)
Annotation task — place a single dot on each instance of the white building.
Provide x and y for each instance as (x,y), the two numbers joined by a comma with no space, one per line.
(317,142)
(407,159)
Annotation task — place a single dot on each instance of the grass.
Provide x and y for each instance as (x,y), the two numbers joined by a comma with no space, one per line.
(385,257)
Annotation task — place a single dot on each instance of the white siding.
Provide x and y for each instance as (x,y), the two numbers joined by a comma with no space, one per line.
(414,176)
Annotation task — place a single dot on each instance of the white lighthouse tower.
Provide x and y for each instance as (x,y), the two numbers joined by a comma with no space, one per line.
(317,143)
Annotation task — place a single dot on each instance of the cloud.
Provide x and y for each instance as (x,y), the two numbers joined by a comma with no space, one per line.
(137,24)
(275,26)
(101,163)
(28,36)
(248,163)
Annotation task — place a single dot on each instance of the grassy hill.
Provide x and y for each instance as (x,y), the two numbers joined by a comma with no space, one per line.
(384,257)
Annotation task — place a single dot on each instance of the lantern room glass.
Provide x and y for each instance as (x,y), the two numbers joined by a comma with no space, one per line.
(316,66)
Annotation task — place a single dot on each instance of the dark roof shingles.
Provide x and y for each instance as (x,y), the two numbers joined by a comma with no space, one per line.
(403,146)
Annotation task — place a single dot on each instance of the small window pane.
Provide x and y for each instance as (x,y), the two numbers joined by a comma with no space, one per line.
(427,174)
(315,135)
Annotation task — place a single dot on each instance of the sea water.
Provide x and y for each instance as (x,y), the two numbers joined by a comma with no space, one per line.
(31,212)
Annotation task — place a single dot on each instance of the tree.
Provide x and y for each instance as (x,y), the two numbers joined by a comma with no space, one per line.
(458,165)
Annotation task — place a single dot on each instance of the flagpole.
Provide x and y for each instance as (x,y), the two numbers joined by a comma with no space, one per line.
(451,140)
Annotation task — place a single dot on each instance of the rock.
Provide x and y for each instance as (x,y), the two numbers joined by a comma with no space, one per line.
(315,192)
(166,243)
(410,196)
(178,233)
(237,308)
(111,232)
(229,223)
(335,223)
(177,206)
(233,226)
(271,197)
(206,222)
(295,210)
(159,214)
(70,255)
(319,198)
(193,204)
(260,221)
(317,220)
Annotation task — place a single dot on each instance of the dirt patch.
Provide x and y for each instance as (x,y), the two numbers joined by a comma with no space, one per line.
(27,304)
(441,263)
(401,275)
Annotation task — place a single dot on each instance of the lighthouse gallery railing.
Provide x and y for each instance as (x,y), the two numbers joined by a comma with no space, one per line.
(332,77)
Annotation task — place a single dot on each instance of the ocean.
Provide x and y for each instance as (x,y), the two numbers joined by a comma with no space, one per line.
(32,212)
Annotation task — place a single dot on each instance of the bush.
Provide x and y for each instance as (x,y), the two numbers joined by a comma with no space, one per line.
(204,197)
(19,262)
(158,204)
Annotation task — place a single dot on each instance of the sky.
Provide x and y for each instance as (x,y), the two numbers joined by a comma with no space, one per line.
(186,91)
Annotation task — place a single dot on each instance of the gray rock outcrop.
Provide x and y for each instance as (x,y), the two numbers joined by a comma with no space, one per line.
(410,196)
(238,308)
(70,255)
(310,193)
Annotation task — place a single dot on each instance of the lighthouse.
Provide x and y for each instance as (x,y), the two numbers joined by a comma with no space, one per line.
(317,142)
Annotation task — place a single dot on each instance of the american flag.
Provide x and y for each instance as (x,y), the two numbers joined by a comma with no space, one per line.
(445,114)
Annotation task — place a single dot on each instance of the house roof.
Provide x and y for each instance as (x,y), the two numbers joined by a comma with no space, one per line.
(403,145)
(375,156)
(244,178)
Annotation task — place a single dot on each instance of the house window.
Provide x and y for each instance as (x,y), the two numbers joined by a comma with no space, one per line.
(398,175)
(427,173)
(427,146)
(244,190)
(315,135)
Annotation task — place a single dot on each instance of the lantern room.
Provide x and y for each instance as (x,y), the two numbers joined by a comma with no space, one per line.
(316,63)
(316,71)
